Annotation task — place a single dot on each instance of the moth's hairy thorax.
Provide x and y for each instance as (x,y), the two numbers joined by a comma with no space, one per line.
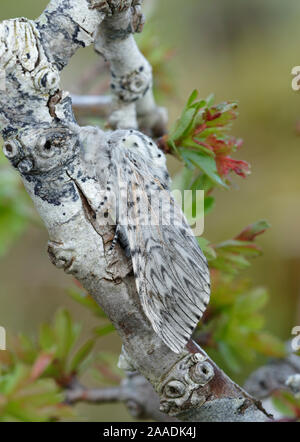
(137,151)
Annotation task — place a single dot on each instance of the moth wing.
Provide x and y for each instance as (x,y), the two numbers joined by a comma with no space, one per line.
(171,272)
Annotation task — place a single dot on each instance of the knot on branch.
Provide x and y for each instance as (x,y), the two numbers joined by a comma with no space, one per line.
(61,257)
(47,79)
(134,85)
(138,18)
(110,7)
(181,388)
(21,52)
(40,151)
(44,156)
(17,154)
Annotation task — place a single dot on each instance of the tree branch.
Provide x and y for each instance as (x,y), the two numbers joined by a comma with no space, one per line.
(277,375)
(57,160)
(132,392)
(131,74)
(93,395)
(92,105)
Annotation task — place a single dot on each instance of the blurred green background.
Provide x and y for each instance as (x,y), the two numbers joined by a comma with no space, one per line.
(239,50)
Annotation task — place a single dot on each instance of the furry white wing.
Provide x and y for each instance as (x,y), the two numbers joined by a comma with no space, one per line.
(171,272)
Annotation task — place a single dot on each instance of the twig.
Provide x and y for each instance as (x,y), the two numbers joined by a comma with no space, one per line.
(92,105)
(135,392)
(93,395)
(274,376)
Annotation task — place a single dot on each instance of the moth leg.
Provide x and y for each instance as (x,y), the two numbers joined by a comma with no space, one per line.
(121,238)
(114,241)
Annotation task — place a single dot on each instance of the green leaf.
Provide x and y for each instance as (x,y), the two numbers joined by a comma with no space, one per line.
(204,162)
(209,203)
(252,231)
(230,263)
(254,322)
(183,124)
(81,355)
(252,302)
(208,251)
(15,379)
(173,147)
(65,333)
(210,100)
(29,351)
(241,247)
(202,182)
(284,403)
(103,331)
(182,180)
(47,339)
(267,345)
(189,143)
(228,113)
(192,98)
(41,393)
(24,413)
(229,357)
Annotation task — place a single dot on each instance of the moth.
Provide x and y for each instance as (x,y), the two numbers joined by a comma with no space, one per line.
(171,272)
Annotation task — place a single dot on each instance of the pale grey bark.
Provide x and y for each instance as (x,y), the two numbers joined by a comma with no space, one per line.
(131,74)
(55,158)
(277,374)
